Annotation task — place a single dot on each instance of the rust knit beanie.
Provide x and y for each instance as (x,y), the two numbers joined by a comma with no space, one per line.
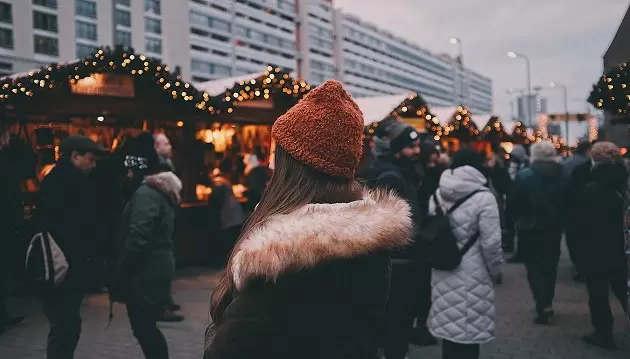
(323,131)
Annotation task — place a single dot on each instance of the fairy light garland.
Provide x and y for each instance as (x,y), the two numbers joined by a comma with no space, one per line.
(519,134)
(493,131)
(413,106)
(612,92)
(461,125)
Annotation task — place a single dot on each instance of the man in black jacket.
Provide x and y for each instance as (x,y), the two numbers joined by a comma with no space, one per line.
(66,210)
(394,168)
(11,215)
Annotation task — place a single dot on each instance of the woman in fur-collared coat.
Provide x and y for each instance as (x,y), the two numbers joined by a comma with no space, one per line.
(309,275)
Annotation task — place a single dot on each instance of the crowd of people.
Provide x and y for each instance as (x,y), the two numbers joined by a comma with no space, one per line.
(339,257)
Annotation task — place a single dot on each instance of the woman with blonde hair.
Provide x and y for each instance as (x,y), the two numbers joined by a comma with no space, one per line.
(309,275)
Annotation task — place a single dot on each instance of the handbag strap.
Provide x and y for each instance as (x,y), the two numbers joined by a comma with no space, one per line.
(462,200)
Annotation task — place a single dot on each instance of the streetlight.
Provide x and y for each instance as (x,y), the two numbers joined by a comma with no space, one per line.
(460,59)
(460,52)
(516,55)
(554,84)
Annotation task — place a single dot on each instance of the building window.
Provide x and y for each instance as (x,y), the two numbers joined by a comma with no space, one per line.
(44,21)
(46,45)
(85,50)
(210,68)
(86,31)
(86,8)
(123,38)
(123,18)
(152,6)
(154,45)
(286,5)
(6,38)
(221,25)
(152,25)
(46,3)
(5,13)
(124,2)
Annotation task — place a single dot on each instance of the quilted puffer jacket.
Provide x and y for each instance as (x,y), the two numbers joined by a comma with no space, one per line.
(463,300)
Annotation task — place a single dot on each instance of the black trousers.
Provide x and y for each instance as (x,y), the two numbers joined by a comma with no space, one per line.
(401,309)
(599,285)
(143,316)
(62,308)
(452,350)
(423,305)
(541,251)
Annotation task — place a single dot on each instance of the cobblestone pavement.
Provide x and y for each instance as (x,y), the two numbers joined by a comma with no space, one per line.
(517,338)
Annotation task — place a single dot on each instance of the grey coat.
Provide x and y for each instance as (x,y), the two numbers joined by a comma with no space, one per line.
(463,300)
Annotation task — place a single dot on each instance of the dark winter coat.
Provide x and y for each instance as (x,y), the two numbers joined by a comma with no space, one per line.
(67,210)
(387,173)
(600,245)
(146,260)
(11,207)
(256,182)
(313,284)
(538,197)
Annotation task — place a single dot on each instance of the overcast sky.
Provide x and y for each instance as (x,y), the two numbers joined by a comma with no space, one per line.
(565,39)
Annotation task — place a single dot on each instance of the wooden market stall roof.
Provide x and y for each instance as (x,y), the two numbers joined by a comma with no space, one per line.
(252,98)
(411,108)
(461,125)
(116,82)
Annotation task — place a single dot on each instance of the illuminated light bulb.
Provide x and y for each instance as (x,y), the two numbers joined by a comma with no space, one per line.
(180,123)
(404,109)
(100,118)
(230,110)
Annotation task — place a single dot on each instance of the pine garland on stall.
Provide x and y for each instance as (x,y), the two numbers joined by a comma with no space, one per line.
(493,131)
(519,134)
(461,126)
(612,92)
(413,106)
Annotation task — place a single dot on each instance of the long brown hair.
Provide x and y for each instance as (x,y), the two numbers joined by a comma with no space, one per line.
(292,186)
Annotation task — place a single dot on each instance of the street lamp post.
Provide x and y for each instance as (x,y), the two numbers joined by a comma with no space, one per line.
(566,106)
(516,55)
(460,60)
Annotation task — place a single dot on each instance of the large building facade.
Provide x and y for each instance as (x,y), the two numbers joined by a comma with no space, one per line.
(211,39)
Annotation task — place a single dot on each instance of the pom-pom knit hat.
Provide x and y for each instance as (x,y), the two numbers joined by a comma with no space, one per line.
(323,131)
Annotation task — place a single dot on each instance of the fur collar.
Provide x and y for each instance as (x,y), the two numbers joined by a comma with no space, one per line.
(320,232)
(168,184)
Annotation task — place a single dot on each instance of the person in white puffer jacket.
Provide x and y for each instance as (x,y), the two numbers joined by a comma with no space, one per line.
(463,311)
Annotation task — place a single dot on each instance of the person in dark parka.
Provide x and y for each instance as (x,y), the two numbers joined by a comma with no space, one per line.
(600,246)
(66,210)
(146,263)
(309,275)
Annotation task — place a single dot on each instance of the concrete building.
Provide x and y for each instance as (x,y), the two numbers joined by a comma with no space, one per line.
(373,61)
(538,105)
(211,39)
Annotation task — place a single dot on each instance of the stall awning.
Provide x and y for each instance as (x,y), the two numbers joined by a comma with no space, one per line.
(218,87)
(377,108)
(481,120)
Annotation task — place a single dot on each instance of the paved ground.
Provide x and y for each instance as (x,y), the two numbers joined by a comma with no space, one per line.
(517,338)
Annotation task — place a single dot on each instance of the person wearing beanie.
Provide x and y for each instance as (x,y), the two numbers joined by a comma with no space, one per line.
(600,244)
(477,215)
(309,274)
(395,168)
(538,202)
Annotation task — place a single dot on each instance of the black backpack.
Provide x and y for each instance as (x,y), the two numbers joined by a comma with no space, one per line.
(443,252)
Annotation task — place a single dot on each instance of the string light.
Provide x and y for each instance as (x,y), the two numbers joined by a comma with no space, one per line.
(412,104)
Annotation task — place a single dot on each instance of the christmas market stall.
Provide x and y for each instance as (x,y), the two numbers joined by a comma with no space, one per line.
(409,108)
(494,134)
(461,131)
(242,111)
(111,97)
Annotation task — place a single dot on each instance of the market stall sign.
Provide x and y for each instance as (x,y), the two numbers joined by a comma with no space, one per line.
(419,123)
(104,85)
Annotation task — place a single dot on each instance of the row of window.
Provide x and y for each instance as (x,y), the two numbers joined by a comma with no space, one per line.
(6,14)
(262,37)
(207,67)
(318,30)
(320,44)
(85,30)
(86,8)
(46,3)
(282,4)
(45,21)
(318,65)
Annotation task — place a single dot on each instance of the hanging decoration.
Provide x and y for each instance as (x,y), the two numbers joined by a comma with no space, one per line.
(519,135)
(273,84)
(462,126)
(494,132)
(413,108)
(121,61)
(612,92)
